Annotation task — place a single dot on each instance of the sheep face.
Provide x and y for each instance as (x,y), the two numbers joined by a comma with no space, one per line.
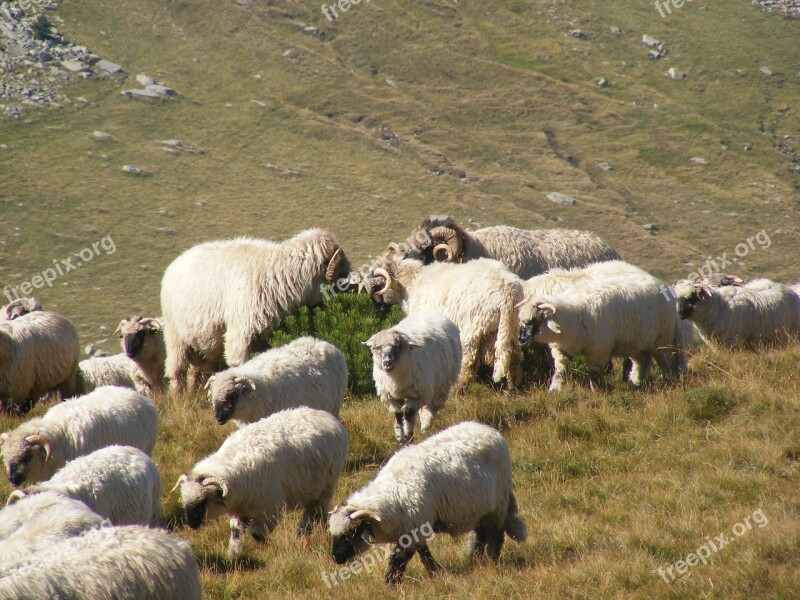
(440,239)
(225,393)
(388,348)
(25,458)
(135,332)
(203,500)
(535,318)
(351,529)
(691,295)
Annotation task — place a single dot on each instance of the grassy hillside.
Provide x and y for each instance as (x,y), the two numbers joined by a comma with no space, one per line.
(398,110)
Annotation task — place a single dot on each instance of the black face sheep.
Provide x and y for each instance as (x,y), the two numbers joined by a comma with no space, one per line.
(223,299)
(291,459)
(455,482)
(36,449)
(304,372)
(38,353)
(414,364)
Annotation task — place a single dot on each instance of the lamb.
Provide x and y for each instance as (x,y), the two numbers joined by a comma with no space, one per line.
(626,315)
(38,353)
(758,313)
(119,483)
(456,481)
(229,296)
(414,365)
(36,522)
(19,307)
(107,564)
(291,459)
(478,296)
(526,253)
(305,372)
(143,343)
(36,449)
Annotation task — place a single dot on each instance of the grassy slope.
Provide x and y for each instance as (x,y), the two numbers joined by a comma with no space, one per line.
(612,486)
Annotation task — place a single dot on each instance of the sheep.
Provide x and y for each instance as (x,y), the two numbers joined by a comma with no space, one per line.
(119,483)
(38,353)
(19,307)
(226,297)
(414,365)
(745,316)
(291,459)
(478,296)
(627,314)
(143,342)
(108,563)
(36,449)
(526,253)
(305,372)
(456,481)
(35,522)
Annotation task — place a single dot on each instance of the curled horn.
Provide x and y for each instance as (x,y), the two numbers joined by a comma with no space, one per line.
(42,440)
(547,306)
(247,380)
(14,496)
(447,244)
(380,272)
(333,264)
(364,514)
(152,324)
(217,482)
(702,289)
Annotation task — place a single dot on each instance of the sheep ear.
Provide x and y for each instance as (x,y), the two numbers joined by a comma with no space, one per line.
(119,328)
(413,342)
(553,326)
(181,480)
(208,382)
(370,342)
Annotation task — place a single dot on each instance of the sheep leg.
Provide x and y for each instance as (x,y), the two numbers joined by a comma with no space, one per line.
(641,365)
(560,362)
(409,422)
(666,359)
(258,529)
(425,417)
(477,544)
(431,566)
(237,348)
(398,426)
(177,365)
(494,541)
(398,561)
(314,514)
(469,368)
(235,544)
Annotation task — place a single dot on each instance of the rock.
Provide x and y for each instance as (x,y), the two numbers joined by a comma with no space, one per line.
(145,80)
(614,30)
(604,166)
(651,228)
(141,94)
(102,136)
(172,143)
(108,66)
(674,73)
(257,76)
(698,160)
(389,82)
(132,170)
(259,103)
(560,198)
(161,90)
(75,66)
(651,42)
(654,55)
(765,71)
(601,82)
(579,34)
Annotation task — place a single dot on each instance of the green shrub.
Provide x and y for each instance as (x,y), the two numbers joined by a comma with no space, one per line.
(344,320)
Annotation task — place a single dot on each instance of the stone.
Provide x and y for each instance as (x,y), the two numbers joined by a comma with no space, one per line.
(651,228)
(172,143)
(654,55)
(579,34)
(141,94)
(765,71)
(614,30)
(132,170)
(674,73)
(560,198)
(650,41)
(698,160)
(75,66)
(102,136)
(161,90)
(108,66)
(604,166)
(601,82)
(145,80)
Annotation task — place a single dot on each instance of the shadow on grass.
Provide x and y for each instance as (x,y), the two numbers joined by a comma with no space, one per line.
(218,564)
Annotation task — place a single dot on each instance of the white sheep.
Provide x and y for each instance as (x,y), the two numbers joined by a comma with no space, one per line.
(36,522)
(19,307)
(526,253)
(758,313)
(304,372)
(414,365)
(119,483)
(478,296)
(108,563)
(626,315)
(291,459)
(456,481)
(226,297)
(38,353)
(36,449)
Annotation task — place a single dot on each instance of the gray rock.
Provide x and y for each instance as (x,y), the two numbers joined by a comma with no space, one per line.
(601,82)
(698,160)
(161,90)
(560,198)
(604,166)
(579,34)
(654,55)
(132,170)
(651,228)
(141,94)
(765,71)
(108,66)
(172,143)
(75,66)
(145,80)
(674,73)
(614,30)
(650,41)
(102,136)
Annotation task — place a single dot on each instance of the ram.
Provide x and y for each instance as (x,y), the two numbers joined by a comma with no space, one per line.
(221,300)
(19,307)
(142,341)
(305,372)
(119,483)
(478,296)
(38,354)
(37,448)
(414,365)
(455,482)
(108,563)
(291,459)
(526,253)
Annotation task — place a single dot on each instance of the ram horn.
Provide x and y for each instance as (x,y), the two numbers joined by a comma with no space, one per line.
(217,482)
(365,514)
(380,272)
(15,496)
(546,306)
(447,244)
(119,328)
(333,264)
(181,480)
(42,440)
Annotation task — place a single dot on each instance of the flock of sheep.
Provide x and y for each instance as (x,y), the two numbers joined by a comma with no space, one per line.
(92,493)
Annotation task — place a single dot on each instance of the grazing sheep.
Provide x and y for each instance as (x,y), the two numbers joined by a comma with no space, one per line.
(757,313)
(414,364)
(36,449)
(456,481)
(599,317)
(230,295)
(38,353)
(19,307)
(478,296)
(291,459)
(119,483)
(143,342)
(108,563)
(526,253)
(36,522)
(117,369)
(304,372)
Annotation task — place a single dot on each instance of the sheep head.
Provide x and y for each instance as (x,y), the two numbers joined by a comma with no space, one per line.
(534,315)
(445,240)
(134,333)
(21,307)
(338,266)
(388,346)
(352,531)
(25,457)
(203,498)
(225,393)
(691,295)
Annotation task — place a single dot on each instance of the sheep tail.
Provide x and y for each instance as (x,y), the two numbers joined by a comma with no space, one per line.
(515,527)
